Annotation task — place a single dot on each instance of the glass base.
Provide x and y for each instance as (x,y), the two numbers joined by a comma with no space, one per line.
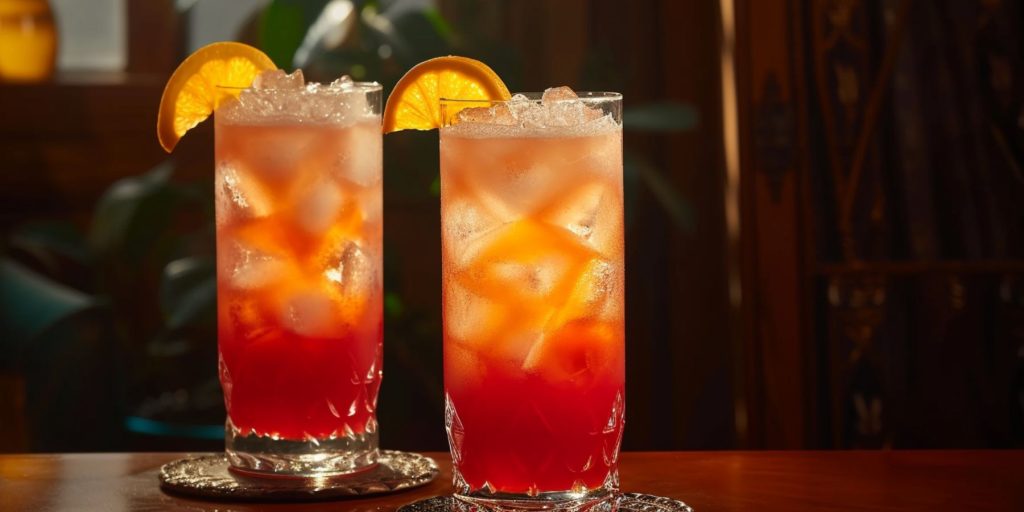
(578,499)
(596,500)
(257,455)
(629,502)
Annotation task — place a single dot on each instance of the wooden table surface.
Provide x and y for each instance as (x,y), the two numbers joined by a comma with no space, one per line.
(708,481)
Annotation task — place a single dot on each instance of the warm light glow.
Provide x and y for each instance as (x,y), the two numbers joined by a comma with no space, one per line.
(731,145)
(28,42)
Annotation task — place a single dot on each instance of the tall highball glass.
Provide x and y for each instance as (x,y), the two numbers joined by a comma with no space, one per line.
(298,215)
(533,297)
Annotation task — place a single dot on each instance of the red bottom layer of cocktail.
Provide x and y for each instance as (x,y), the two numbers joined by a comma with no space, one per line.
(521,434)
(294,387)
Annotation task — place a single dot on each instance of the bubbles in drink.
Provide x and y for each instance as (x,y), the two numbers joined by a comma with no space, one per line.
(465,362)
(470,318)
(362,165)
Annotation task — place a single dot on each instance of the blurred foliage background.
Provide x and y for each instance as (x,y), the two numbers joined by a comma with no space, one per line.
(114,325)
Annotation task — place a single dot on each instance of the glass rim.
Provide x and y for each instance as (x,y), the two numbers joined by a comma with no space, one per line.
(584,96)
(357,87)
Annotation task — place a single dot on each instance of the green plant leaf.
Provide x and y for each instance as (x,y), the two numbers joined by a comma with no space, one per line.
(188,292)
(660,117)
(441,26)
(393,304)
(57,237)
(283,26)
(132,215)
(30,303)
(420,33)
(435,187)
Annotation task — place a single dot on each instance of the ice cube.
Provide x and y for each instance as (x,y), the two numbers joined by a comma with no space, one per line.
(343,82)
(516,185)
(469,318)
(351,271)
(557,94)
(278,79)
(476,115)
(310,312)
(463,222)
(537,279)
(518,177)
(238,196)
(563,108)
(523,109)
(317,206)
(502,115)
(517,343)
(577,211)
(530,263)
(361,155)
(593,212)
(249,268)
(371,203)
(597,293)
(339,101)
(575,350)
(568,114)
(602,155)
(276,155)
(496,115)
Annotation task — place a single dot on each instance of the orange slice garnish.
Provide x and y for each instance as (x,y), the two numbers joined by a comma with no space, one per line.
(206,78)
(415,102)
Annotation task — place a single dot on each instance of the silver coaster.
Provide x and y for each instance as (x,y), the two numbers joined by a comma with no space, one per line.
(208,476)
(628,502)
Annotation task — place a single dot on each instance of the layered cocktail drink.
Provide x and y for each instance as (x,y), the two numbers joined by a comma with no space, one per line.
(299,228)
(533,289)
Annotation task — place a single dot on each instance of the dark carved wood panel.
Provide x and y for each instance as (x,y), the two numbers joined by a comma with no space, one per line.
(908,239)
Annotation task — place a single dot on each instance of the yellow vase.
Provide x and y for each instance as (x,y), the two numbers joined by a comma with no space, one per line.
(28,41)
